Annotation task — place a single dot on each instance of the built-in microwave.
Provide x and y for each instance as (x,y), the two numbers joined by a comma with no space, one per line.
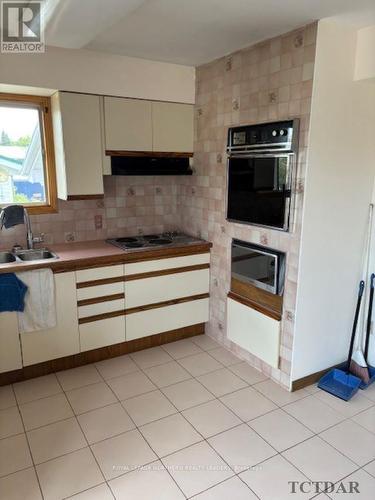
(258,265)
(261,165)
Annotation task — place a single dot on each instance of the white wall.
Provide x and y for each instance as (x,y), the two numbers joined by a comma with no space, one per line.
(99,73)
(337,194)
(365,54)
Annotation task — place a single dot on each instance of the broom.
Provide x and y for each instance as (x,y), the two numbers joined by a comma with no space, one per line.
(358,365)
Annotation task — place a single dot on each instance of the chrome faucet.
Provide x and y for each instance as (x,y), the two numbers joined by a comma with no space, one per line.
(30,238)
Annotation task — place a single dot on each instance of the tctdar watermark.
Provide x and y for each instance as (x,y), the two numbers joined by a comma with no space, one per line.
(22,29)
(315,487)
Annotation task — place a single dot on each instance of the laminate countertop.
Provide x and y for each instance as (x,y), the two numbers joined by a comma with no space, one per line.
(88,254)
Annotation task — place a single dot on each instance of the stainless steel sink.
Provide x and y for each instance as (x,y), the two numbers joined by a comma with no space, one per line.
(36,254)
(7,257)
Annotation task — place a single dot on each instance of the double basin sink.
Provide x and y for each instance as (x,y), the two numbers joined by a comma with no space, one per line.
(39,254)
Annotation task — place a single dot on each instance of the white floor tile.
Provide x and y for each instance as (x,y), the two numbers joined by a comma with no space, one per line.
(318,461)
(248,373)
(105,422)
(199,364)
(68,475)
(150,357)
(364,490)
(277,394)
(169,434)
(115,367)
(366,419)
(370,392)
(270,481)
(248,403)
(280,430)
(312,389)
(133,384)
(187,394)
(90,397)
(370,468)
(10,422)
(150,482)
(101,492)
(224,356)
(182,348)
(45,411)
(7,398)
(14,454)
(22,485)
(148,407)
(241,447)
(167,374)
(78,377)
(348,408)
(231,488)
(55,440)
(222,382)
(352,440)
(36,388)
(205,342)
(123,453)
(197,468)
(313,413)
(211,418)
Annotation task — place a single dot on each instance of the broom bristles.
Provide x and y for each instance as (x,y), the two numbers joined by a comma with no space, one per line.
(359,371)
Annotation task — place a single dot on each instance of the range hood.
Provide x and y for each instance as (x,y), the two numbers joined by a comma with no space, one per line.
(143,164)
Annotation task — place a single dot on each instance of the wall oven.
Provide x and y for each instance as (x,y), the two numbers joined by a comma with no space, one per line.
(260,266)
(261,164)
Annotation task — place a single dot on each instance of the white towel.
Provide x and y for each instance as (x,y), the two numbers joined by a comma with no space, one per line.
(40,307)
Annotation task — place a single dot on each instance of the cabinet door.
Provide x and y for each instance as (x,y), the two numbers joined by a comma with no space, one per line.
(78,144)
(102,333)
(128,124)
(172,127)
(63,340)
(10,348)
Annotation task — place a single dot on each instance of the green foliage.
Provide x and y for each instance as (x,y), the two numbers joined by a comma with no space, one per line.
(4,140)
(21,141)
(20,198)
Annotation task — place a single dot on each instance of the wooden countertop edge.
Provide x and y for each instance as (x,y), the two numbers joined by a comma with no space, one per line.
(110,260)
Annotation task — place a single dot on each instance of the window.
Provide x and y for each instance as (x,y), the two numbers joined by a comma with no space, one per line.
(27,166)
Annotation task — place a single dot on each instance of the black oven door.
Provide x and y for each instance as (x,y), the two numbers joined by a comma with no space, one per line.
(259,189)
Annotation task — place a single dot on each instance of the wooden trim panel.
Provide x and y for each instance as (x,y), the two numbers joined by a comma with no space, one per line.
(155,154)
(257,296)
(98,300)
(102,281)
(165,272)
(95,355)
(254,305)
(99,317)
(313,378)
(73,197)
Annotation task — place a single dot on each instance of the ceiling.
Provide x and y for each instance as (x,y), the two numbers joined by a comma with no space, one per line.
(188,32)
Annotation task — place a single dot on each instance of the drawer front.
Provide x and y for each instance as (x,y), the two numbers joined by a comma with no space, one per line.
(160,288)
(163,319)
(102,333)
(158,265)
(92,292)
(99,273)
(101,308)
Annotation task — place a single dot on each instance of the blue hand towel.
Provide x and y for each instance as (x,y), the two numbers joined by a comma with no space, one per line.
(12,293)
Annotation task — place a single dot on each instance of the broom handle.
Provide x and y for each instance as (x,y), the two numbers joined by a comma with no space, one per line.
(368,326)
(360,293)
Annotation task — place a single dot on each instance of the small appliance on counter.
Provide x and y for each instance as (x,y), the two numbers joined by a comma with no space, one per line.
(261,165)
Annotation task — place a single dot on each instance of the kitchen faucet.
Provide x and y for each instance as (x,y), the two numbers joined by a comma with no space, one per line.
(30,238)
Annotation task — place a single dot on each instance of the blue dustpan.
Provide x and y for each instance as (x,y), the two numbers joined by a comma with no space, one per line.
(340,383)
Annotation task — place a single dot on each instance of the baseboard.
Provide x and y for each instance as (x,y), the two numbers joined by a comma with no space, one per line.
(84,358)
(310,379)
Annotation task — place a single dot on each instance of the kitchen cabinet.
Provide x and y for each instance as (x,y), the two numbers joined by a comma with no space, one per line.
(63,339)
(128,124)
(172,127)
(79,148)
(10,348)
(253,331)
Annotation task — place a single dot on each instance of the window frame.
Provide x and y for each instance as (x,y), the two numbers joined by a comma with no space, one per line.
(46,134)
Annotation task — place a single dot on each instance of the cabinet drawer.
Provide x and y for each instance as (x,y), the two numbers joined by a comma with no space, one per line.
(99,273)
(101,308)
(158,265)
(160,288)
(164,319)
(92,292)
(102,333)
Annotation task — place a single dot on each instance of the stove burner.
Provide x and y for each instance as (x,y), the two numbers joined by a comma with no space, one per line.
(150,236)
(134,244)
(126,240)
(160,241)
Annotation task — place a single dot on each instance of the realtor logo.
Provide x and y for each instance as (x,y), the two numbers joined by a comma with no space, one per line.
(21,27)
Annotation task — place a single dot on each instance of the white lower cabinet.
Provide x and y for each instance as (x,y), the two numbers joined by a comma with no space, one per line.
(102,333)
(254,331)
(10,348)
(63,340)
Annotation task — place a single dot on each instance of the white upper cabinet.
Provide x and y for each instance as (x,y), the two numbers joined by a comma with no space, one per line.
(128,124)
(172,126)
(77,124)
